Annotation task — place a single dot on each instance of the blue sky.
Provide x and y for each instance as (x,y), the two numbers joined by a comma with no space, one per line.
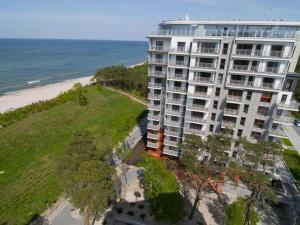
(125,19)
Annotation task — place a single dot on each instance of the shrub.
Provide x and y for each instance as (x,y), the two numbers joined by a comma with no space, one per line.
(162,190)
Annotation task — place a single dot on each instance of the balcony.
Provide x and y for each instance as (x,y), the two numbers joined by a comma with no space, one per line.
(152,126)
(240,67)
(276,54)
(158,48)
(151,144)
(243,51)
(195,119)
(172,143)
(179,63)
(205,65)
(234,112)
(196,107)
(173,123)
(199,95)
(267,85)
(174,112)
(180,49)
(283,120)
(228,124)
(292,106)
(207,50)
(155,85)
(178,101)
(237,82)
(152,136)
(277,133)
(234,98)
(154,96)
(176,89)
(168,151)
(258,52)
(158,61)
(152,106)
(159,74)
(154,117)
(177,76)
(271,69)
(207,80)
(172,133)
(193,131)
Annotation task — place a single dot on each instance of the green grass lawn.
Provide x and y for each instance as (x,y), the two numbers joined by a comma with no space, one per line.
(29,148)
(292,159)
(287,142)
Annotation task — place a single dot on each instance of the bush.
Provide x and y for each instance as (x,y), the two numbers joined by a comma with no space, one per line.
(7,119)
(82,100)
(162,191)
(235,213)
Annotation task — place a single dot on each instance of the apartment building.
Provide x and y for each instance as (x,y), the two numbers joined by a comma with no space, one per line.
(205,76)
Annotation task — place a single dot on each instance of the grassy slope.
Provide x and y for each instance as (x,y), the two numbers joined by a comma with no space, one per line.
(29,149)
(292,159)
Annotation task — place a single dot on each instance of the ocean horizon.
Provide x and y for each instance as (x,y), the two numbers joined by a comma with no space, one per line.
(28,63)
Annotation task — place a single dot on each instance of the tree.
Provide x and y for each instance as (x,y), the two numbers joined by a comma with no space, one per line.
(86,176)
(235,213)
(202,164)
(251,157)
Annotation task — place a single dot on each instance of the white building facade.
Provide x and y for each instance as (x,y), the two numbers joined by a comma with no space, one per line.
(205,76)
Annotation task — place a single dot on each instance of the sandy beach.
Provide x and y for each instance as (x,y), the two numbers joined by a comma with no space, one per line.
(28,96)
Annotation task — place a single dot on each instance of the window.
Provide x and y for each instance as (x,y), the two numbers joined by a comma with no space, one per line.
(173,138)
(246,107)
(220,78)
(200,89)
(266,97)
(239,133)
(222,64)
(175,107)
(261,110)
(217,92)
(181,46)
(225,49)
(213,116)
(255,135)
(211,128)
(195,126)
(288,85)
(242,122)
(175,118)
(283,98)
(249,95)
(259,123)
(215,106)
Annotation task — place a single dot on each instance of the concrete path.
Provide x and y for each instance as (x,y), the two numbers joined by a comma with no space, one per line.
(293,136)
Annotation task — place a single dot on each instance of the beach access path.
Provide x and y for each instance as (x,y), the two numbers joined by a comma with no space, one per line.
(25,97)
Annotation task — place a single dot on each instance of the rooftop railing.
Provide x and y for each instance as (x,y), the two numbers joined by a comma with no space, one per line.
(226,33)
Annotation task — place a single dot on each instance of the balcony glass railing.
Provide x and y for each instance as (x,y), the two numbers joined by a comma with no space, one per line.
(240,67)
(174,112)
(154,96)
(203,79)
(172,122)
(195,119)
(152,135)
(231,111)
(199,94)
(276,54)
(158,61)
(155,85)
(271,69)
(158,73)
(152,144)
(237,98)
(258,52)
(196,107)
(178,76)
(243,51)
(176,89)
(152,106)
(153,126)
(153,117)
(267,85)
(193,131)
(204,65)
(169,142)
(158,48)
(207,50)
(173,133)
(283,119)
(221,32)
(229,124)
(175,100)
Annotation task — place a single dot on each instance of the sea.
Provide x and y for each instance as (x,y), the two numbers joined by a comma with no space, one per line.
(27,63)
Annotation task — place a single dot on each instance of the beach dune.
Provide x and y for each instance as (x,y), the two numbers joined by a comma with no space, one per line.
(26,97)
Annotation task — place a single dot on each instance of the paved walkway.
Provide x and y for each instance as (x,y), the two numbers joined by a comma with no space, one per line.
(293,136)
